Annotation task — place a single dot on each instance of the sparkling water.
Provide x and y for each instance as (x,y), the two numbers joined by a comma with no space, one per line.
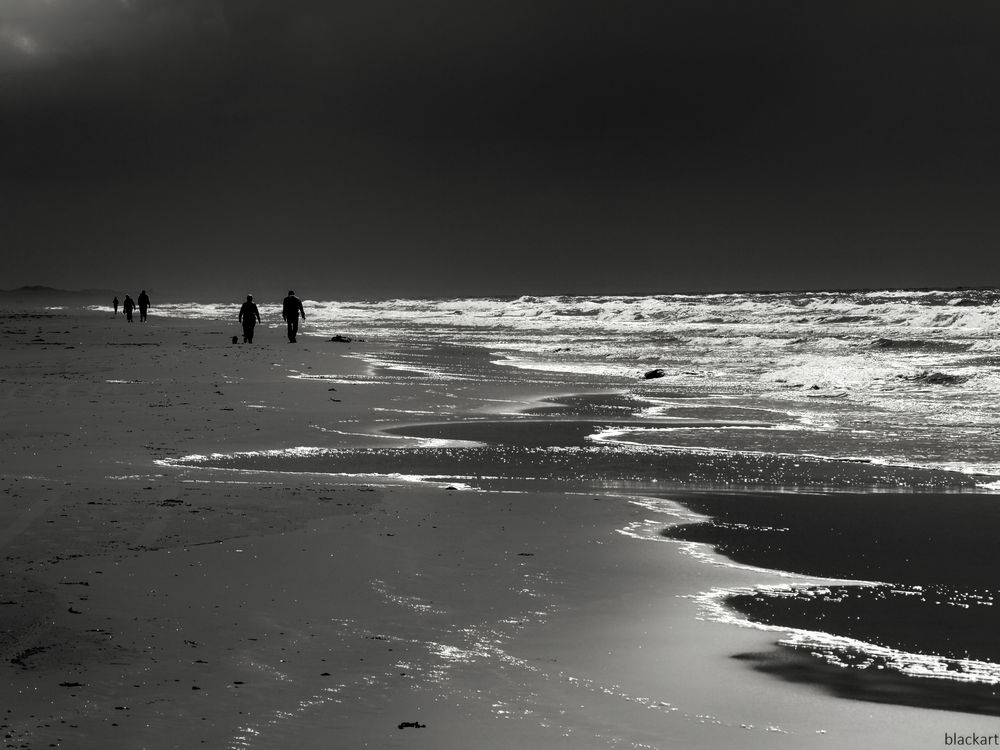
(896,377)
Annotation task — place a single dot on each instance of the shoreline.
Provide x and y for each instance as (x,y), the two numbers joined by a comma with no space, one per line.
(153,606)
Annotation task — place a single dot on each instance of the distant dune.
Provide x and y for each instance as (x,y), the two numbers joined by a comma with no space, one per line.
(49,295)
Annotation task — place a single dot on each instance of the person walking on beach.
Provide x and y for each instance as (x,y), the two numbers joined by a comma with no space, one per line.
(291,309)
(249,317)
(143,305)
(128,306)
(115,303)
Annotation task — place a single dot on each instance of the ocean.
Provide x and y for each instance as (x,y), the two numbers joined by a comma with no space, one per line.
(905,378)
(850,437)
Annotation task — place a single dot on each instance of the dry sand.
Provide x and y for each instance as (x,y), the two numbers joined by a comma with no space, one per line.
(152,606)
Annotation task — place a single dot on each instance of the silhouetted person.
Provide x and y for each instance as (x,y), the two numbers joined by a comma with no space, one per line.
(249,317)
(115,303)
(143,305)
(291,309)
(128,306)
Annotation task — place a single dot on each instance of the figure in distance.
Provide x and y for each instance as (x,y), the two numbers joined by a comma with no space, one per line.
(128,306)
(291,309)
(143,305)
(249,317)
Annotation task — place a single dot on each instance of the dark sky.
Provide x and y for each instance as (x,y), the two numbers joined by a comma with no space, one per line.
(427,147)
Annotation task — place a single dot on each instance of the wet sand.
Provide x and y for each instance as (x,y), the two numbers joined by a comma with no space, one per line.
(155,605)
(932,558)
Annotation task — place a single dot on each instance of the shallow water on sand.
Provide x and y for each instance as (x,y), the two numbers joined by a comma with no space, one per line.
(780,477)
(902,377)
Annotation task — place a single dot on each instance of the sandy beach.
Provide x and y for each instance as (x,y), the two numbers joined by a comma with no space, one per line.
(516,376)
(148,601)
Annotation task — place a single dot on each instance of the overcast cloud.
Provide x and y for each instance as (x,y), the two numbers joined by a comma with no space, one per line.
(497,147)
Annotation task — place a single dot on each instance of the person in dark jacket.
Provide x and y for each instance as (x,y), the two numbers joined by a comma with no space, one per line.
(128,306)
(291,309)
(143,305)
(115,303)
(249,317)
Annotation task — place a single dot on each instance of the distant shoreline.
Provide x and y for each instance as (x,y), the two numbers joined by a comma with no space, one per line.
(40,293)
